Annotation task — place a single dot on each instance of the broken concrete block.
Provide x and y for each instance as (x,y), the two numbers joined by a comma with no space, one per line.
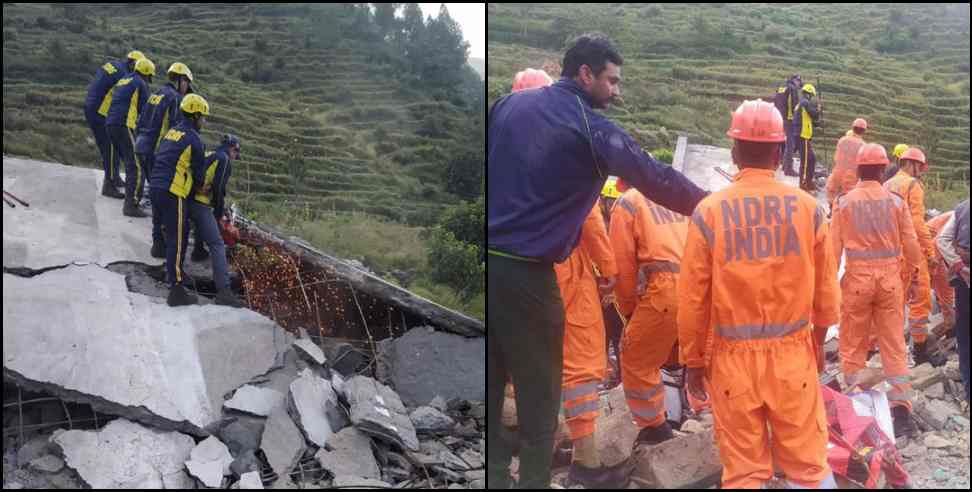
(690,462)
(351,482)
(310,350)
(925,375)
(952,370)
(127,455)
(430,420)
(474,459)
(425,363)
(936,413)
(250,480)
(47,464)
(317,408)
(438,403)
(255,400)
(282,442)
(345,359)
(240,433)
(376,410)
(349,453)
(615,436)
(245,462)
(209,461)
(692,427)
(337,383)
(936,442)
(100,344)
(936,390)
(34,448)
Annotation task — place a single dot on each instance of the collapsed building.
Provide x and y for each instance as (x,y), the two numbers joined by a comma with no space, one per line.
(332,377)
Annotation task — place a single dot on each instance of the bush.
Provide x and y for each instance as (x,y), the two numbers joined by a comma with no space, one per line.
(664,155)
(773,50)
(774,34)
(260,45)
(44,23)
(36,99)
(455,263)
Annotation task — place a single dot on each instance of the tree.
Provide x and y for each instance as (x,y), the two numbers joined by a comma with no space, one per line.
(457,253)
(464,172)
(385,17)
(445,52)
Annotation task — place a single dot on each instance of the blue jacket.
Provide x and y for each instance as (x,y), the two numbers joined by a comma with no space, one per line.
(212,192)
(155,120)
(545,170)
(180,164)
(108,74)
(127,101)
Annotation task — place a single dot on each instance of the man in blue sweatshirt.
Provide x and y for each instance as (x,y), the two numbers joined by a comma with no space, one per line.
(548,156)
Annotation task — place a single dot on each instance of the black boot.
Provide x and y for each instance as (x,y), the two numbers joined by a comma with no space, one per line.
(226,297)
(922,355)
(132,210)
(604,477)
(158,249)
(179,297)
(904,425)
(199,253)
(655,435)
(110,191)
(118,182)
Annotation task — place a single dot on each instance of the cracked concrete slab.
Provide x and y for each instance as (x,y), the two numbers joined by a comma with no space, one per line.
(127,455)
(68,220)
(377,411)
(255,400)
(209,462)
(310,350)
(281,442)
(317,409)
(349,453)
(100,344)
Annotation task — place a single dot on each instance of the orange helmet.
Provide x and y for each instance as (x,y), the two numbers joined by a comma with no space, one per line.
(872,154)
(757,121)
(531,79)
(915,154)
(860,123)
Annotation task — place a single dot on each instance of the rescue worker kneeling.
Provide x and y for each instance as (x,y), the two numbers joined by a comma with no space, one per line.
(179,171)
(657,238)
(758,274)
(873,226)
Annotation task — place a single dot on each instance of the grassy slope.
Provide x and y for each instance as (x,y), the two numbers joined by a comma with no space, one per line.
(355,123)
(676,82)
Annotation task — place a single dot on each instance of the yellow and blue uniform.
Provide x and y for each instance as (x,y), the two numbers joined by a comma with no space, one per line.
(179,170)
(96,108)
(127,101)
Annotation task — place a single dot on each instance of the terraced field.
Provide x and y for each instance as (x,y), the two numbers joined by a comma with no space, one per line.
(686,67)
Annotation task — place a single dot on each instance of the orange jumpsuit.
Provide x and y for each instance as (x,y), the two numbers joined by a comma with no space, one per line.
(585,359)
(759,272)
(919,306)
(656,235)
(944,293)
(844,175)
(873,227)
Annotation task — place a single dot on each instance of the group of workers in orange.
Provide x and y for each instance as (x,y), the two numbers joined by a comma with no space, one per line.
(742,294)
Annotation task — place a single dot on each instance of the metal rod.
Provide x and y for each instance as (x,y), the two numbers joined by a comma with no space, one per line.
(302,289)
(11,195)
(371,339)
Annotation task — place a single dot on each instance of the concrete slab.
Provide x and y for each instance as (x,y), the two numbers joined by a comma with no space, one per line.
(377,411)
(316,407)
(68,220)
(281,442)
(255,400)
(351,482)
(430,420)
(349,453)
(209,462)
(98,343)
(127,455)
(309,349)
(250,480)
(425,363)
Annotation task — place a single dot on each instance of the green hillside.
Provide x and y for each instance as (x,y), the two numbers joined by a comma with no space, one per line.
(346,112)
(903,67)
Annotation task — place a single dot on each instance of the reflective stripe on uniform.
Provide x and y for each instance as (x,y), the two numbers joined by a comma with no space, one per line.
(579,391)
(755,332)
(646,414)
(661,266)
(625,205)
(178,265)
(588,406)
(872,255)
(635,394)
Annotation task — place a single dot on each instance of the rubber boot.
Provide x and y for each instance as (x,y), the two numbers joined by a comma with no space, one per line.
(158,249)
(904,425)
(655,435)
(226,297)
(132,210)
(199,253)
(118,182)
(110,191)
(179,297)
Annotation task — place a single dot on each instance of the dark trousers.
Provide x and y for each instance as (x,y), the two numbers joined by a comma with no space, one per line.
(109,160)
(613,329)
(808,163)
(962,329)
(123,143)
(789,147)
(174,212)
(525,333)
(148,162)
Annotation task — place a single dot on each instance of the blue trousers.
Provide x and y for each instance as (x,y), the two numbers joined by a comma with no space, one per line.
(174,214)
(962,329)
(207,230)
(123,143)
(109,160)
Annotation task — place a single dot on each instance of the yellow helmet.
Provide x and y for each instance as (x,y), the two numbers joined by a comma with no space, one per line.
(899,149)
(181,69)
(145,66)
(135,55)
(610,189)
(810,89)
(194,103)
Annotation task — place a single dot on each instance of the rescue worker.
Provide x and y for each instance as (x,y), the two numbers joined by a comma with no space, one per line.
(895,166)
(807,115)
(180,168)
(161,114)
(127,102)
(96,108)
(614,321)
(206,210)
(874,227)
(787,97)
(548,156)
(843,177)
(757,291)
(944,293)
(657,238)
(953,242)
(907,185)
(585,364)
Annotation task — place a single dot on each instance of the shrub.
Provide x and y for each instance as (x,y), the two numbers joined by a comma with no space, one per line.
(44,23)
